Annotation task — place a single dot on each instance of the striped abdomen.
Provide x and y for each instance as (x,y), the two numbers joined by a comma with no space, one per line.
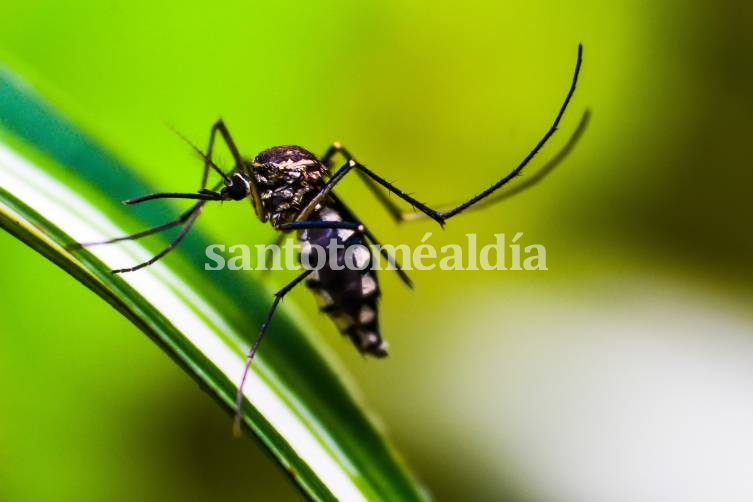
(349,297)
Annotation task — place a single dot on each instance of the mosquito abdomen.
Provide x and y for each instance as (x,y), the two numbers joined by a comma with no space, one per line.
(349,296)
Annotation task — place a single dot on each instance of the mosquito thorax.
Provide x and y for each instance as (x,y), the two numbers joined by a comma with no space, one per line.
(286,179)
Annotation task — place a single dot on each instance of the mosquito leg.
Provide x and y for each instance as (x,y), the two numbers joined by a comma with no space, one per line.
(336,178)
(159,228)
(186,219)
(431,213)
(340,174)
(269,259)
(334,149)
(324,192)
(186,227)
(220,127)
(537,177)
(515,172)
(262,330)
(389,205)
(203,194)
(299,225)
(391,260)
(372,179)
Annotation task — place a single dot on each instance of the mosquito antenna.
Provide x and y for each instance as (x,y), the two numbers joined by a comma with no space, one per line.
(201,154)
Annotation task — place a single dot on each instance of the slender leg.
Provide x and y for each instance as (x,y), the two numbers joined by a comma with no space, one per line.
(269,258)
(220,127)
(263,329)
(159,228)
(391,260)
(339,175)
(515,172)
(440,216)
(196,211)
(187,219)
(537,177)
(431,213)
(202,194)
(299,225)
(319,198)
(349,166)
(389,205)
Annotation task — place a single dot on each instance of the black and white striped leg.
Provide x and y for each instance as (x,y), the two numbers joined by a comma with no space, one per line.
(252,352)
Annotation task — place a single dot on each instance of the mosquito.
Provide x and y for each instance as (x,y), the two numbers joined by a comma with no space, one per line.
(293,190)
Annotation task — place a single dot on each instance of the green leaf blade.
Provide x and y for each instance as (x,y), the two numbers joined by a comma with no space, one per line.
(297,404)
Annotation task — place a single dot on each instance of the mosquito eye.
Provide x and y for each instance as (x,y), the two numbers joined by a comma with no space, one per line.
(238,188)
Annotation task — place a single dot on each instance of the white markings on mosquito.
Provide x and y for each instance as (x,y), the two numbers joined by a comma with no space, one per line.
(366,315)
(368,285)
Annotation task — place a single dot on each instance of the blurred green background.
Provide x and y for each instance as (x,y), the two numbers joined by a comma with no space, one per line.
(625,372)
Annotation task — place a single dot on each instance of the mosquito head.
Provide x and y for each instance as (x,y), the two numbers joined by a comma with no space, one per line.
(237,187)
